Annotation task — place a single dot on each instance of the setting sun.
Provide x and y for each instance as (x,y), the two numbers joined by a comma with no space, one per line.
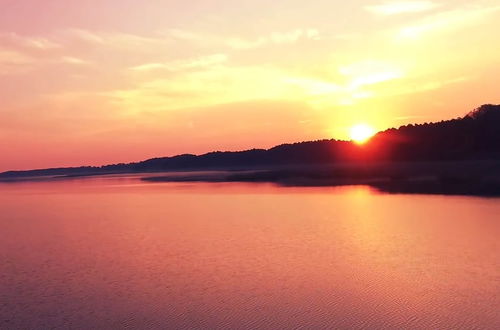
(361,133)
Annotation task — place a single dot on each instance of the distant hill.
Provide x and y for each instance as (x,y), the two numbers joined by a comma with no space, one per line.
(476,136)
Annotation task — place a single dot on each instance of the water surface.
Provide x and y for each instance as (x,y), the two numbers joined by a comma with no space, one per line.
(116,252)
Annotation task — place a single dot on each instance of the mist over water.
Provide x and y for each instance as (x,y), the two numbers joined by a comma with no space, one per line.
(117,252)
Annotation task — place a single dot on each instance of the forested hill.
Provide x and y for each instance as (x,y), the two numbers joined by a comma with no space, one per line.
(476,136)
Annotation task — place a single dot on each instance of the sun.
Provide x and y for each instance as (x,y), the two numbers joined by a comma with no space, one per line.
(361,133)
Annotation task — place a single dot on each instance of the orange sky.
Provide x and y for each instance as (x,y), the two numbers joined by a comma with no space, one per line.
(96,82)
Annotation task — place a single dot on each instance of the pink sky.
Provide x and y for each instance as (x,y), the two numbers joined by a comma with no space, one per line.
(97,82)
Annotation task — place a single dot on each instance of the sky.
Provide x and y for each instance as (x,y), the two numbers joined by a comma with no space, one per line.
(97,82)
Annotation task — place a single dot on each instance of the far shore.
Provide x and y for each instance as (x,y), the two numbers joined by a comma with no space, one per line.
(475,178)
(480,178)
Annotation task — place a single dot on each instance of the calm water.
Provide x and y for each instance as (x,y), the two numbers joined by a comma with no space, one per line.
(117,253)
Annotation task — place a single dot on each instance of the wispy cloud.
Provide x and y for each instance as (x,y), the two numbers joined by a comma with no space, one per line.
(417,85)
(449,20)
(211,83)
(27,42)
(314,86)
(74,60)
(179,65)
(116,40)
(210,86)
(403,7)
(84,35)
(277,38)
(370,72)
(241,43)
(14,62)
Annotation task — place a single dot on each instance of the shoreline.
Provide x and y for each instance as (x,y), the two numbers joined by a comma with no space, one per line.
(451,178)
(470,178)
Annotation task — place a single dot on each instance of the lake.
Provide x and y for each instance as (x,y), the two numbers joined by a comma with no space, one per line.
(117,252)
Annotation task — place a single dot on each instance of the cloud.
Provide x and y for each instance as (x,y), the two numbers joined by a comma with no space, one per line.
(394,8)
(115,40)
(74,60)
(85,35)
(34,43)
(20,54)
(276,38)
(199,62)
(448,20)
(12,62)
(210,86)
(370,72)
(239,43)
(433,85)
(419,85)
(184,35)
(314,86)
(214,83)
